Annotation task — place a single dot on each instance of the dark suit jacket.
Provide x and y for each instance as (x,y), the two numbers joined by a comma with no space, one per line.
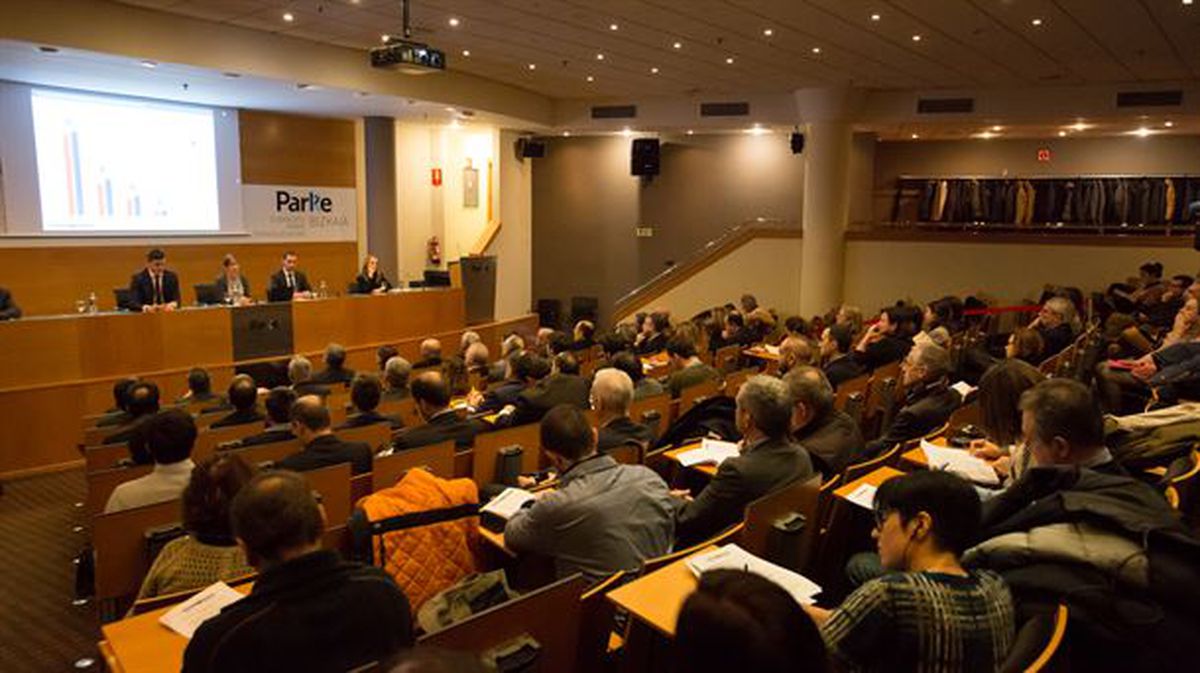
(548,393)
(329,375)
(268,437)
(760,469)
(926,407)
(843,369)
(328,450)
(141,289)
(622,431)
(239,418)
(443,426)
(367,284)
(223,286)
(365,418)
(277,289)
(502,395)
(393,394)
(8,308)
(887,350)
(428,363)
(1055,339)
(655,343)
(310,388)
(831,441)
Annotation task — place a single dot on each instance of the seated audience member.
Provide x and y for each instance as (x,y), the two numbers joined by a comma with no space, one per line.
(612,393)
(432,398)
(478,360)
(653,336)
(243,395)
(208,553)
(603,517)
(999,401)
(945,312)
(522,369)
(584,335)
(558,342)
(199,389)
(279,418)
(142,405)
(395,375)
(689,369)
(889,339)
(8,307)
(1054,324)
(365,394)
(512,344)
(310,424)
(564,385)
(1025,344)
(837,342)
(736,332)
(468,338)
(383,354)
(830,436)
(768,461)
(300,374)
(541,341)
(169,437)
(370,279)
(1127,391)
(740,621)
(289,282)
(431,355)
(794,352)
(309,610)
(938,335)
(335,371)
(795,326)
(748,304)
(154,288)
(454,370)
(119,414)
(643,386)
(761,324)
(928,399)
(928,613)
(1073,528)
(852,317)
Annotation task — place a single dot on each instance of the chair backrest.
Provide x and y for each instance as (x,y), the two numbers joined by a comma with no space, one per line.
(549,615)
(690,396)
(120,547)
(1039,644)
(208,440)
(629,453)
(726,357)
(101,483)
(734,381)
(967,414)
(269,453)
(726,536)
(437,458)
(596,620)
(333,484)
(488,444)
(375,435)
(95,436)
(144,605)
(858,386)
(855,407)
(406,409)
(654,404)
(858,470)
(123,298)
(800,497)
(104,456)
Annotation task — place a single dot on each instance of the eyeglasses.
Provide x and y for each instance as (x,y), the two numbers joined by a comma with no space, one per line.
(880,516)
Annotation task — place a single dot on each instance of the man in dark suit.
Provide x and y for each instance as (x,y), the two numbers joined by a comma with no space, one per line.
(300,374)
(365,393)
(119,414)
(830,436)
(840,365)
(432,397)
(395,374)
(8,308)
(310,424)
(431,354)
(142,406)
(928,399)
(288,282)
(524,370)
(200,391)
(768,461)
(243,395)
(1054,325)
(279,418)
(612,393)
(563,386)
(335,371)
(689,369)
(154,288)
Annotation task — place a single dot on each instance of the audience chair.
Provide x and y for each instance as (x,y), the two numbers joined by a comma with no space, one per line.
(786,548)
(726,358)
(860,386)
(120,551)
(693,395)
(153,603)
(437,458)
(597,641)
(733,382)
(208,440)
(731,534)
(967,414)
(629,453)
(652,411)
(101,484)
(332,485)
(1039,644)
(267,453)
(104,456)
(376,435)
(549,616)
(489,444)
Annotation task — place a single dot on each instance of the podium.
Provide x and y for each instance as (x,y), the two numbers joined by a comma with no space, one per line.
(262,331)
(479,287)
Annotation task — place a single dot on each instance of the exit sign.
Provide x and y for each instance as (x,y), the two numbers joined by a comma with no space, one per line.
(1043,154)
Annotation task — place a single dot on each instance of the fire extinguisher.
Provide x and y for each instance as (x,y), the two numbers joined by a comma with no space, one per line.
(433,252)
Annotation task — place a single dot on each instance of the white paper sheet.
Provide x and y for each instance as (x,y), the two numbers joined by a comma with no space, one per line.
(863,496)
(963,388)
(186,617)
(960,462)
(733,557)
(507,503)
(711,452)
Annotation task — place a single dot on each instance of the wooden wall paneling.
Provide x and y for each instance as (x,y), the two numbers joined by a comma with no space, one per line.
(40,427)
(196,337)
(317,323)
(39,351)
(113,344)
(286,149)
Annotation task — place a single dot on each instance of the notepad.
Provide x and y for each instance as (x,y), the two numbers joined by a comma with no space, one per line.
(711,452)
(733,557)
(963,389)
(186,617)
(863,496)
(960,462)
(773,350)
(508,503)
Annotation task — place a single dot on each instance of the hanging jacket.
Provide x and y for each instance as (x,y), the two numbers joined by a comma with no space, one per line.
(1153,437)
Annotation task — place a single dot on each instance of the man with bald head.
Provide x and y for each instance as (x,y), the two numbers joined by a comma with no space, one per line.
(431,354)
(830,436)
(431,394)
(311,425)
(793,352)
(928,399)
(612,393)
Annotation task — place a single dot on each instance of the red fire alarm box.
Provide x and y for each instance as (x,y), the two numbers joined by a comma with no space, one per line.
(1043,154)
(437,177)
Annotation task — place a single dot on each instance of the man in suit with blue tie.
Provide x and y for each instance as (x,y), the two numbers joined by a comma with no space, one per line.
(288,283)
(154,288)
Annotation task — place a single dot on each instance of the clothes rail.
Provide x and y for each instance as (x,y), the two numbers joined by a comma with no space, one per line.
(1066,176)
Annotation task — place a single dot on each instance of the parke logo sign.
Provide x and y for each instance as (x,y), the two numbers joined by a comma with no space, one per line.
(318,213)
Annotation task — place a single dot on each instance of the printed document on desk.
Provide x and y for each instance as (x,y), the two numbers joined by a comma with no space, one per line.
(733,557)
(960,462)
(711,451)
(507,503)
(186,617)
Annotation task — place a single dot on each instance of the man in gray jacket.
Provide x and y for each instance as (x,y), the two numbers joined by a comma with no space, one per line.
(603,517)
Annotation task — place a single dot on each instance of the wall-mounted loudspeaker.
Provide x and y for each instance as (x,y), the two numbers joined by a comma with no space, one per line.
(528,148)
(797,142)
(644,157)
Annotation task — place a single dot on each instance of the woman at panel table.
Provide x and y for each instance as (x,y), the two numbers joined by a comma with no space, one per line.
(231,284)
(371,280)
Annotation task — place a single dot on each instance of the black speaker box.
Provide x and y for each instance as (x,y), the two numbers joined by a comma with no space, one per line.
(533,149)
(644,157)
(797,143)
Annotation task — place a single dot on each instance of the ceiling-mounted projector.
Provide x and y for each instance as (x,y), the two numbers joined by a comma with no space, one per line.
(412,58)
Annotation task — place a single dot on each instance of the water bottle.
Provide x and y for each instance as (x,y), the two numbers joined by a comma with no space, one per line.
(322,291)
(92,305)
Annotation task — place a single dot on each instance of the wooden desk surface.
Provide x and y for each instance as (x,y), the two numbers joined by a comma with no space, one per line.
(496,540)
(916,457)
(673,454)
(875,479)
(657,598)
(761,353)
(142,645)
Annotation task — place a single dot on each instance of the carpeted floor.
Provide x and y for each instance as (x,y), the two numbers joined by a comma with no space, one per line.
(40,629)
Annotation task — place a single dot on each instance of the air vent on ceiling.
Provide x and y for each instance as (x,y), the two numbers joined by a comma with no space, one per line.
(614,111)
(945,105)
(1149,98)
(724,109)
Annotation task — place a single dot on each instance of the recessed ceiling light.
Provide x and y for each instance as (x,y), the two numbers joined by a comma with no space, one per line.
(816,50)
(48,50)
(466,52)
(287,16)
(1168,124)
(1079,126)
(997,128)
(729,60)
(757,130)
(532,66)
(451,110)
(626,132)
(678,45)
(599,57)
(1036,22)
(1062,134)
(916,38)
(768,32)
(913,136)
(454,21)
(691,132)
(591,79)
(1187,2)
(653,71)
(875,17)
(385,37)
(613,26)
(149,64)
(566,134)
(986,135)
(1141,132)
